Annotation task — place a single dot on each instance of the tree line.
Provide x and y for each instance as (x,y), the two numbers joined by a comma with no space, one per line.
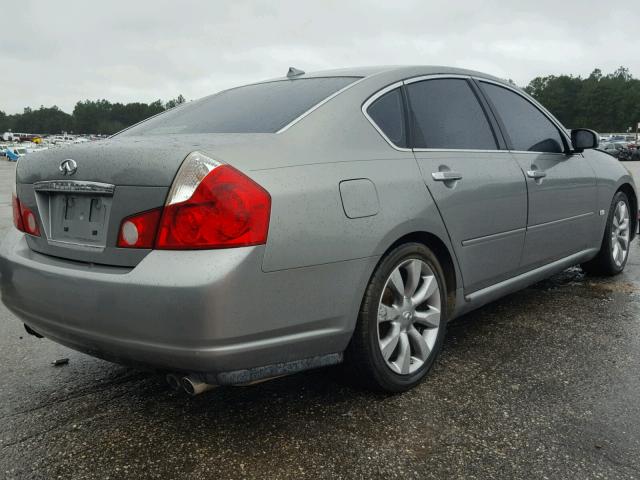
(605,103)
(89,116)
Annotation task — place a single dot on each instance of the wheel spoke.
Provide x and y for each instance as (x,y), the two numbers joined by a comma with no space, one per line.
(624,225)
(623,241)
(387,313)
(414,269)
(620,253)
(622,207)
(389,343)
(419,344)
(430,318)
(616,250)
(397,284)
(427,289)
(403,361)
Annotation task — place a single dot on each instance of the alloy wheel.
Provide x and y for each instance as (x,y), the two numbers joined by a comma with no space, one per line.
(620,233)
(409,316)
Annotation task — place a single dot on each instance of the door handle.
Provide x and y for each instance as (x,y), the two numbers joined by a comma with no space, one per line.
(446,176)
(536,174)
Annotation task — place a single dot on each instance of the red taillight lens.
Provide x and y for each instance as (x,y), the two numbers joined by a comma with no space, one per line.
(210,205)
(29,221)
(139,231)
(17,217)
(23,218)
(226,209)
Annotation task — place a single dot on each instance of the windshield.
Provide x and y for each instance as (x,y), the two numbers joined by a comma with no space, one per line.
(259,108)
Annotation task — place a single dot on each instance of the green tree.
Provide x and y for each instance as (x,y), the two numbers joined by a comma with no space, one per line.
(607,103)
(4,122)
(174,102)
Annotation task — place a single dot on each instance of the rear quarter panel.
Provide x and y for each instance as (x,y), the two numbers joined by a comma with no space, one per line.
(334,144)
(309,225)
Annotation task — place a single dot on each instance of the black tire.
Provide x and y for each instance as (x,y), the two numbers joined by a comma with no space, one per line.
(363,357)
(603,263)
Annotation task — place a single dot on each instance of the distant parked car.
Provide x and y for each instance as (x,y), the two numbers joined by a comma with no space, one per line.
(12,154)
(304,221)
(617,149)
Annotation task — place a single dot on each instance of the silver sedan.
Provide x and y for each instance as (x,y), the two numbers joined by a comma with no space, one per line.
(341,216)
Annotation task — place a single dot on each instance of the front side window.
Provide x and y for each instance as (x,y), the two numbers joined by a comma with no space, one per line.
(260,108)
(388,114)
(446,114)
(527,127)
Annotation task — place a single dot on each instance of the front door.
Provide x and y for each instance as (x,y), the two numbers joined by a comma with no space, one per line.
(561,185)
(479,190)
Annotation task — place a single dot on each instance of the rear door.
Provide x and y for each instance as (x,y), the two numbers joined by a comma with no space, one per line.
(477,186)
(561,185)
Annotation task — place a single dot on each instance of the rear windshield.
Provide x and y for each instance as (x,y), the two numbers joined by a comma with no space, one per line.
(260,108)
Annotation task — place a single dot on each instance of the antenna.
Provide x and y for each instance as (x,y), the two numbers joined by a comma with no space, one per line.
(294,72)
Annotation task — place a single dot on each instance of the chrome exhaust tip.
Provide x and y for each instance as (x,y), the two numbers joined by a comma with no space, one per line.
(174,381)
(193,386)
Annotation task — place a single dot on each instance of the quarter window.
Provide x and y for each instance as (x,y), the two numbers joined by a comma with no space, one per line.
(447,114)
(527,127)
(388,114)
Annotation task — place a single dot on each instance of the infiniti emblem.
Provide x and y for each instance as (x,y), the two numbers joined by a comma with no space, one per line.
(68,167)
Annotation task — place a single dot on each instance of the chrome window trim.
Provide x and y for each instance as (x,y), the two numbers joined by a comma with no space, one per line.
(74,186)
(319,104)
(372,99)
(435,76)
(528,152)
(562,130)
(460,150)
(408,81)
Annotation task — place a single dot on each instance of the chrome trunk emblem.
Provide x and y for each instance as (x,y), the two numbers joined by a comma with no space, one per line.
(68,167)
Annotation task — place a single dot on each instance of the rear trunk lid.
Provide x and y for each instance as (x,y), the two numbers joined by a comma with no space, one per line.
(81,207)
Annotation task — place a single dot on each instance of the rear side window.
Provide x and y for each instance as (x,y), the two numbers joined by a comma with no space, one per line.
(527,127)
(447,114)
(388,114)
(260,108)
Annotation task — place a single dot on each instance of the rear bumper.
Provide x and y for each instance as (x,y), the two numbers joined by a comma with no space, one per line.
(194,311)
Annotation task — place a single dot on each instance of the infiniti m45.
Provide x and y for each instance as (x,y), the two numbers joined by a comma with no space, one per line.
(319,218)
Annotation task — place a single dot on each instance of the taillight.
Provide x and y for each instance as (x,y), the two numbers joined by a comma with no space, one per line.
(210,205)
(213,205)
(23,218)
(17,216)
(139,231)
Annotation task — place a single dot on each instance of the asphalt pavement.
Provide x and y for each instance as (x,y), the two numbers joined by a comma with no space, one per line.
(541,384)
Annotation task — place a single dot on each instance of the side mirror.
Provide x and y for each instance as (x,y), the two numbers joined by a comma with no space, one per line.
(582,139)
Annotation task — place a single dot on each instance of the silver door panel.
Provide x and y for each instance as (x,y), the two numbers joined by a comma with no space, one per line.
(481,196)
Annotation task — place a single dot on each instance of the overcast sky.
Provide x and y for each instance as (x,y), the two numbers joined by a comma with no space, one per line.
(56,53)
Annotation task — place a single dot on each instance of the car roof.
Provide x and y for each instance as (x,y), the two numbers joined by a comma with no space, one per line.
(398,71)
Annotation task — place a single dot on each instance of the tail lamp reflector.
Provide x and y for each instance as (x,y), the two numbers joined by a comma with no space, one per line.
(23,218)
(17,216)
(139,231)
